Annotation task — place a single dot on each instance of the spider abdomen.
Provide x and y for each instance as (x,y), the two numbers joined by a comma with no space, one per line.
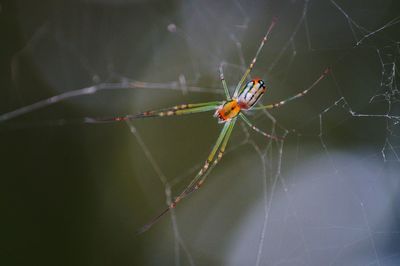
(251,93)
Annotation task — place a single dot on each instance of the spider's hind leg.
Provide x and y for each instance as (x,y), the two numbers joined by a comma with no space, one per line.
(198,181)
(265,134)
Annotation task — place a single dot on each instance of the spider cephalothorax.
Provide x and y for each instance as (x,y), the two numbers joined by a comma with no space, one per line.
(227,111)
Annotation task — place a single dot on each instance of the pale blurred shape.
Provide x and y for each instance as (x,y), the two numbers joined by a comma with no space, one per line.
(325,218)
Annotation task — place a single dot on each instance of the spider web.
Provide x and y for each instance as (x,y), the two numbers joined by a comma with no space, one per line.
(326,195)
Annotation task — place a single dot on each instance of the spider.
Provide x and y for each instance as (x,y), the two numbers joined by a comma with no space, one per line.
(227,112)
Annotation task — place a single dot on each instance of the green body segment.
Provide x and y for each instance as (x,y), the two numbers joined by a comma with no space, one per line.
(219,141)
(247,121)
(195,184)
(219,147)
(226,139)
(193,110)
(182,109)
(221,76)
(220,152)
(210,157)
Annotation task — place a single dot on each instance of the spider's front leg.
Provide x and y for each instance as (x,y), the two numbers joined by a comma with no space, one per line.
(182,109)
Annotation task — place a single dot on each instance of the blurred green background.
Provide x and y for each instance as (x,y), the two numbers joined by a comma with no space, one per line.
(75,194)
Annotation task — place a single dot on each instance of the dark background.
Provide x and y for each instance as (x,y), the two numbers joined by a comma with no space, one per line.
(76,194)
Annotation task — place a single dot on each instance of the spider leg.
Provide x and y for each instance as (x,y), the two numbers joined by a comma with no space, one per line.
(206,167)
(182,109)
(204,171)
(265,134)
(199,180)
(219,156)
(263,41)
(298,95)
(221,75)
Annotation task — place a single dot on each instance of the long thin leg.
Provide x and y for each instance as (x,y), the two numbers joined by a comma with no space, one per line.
(183,109)
(221,75)
(219,156)
(197,182)
(298,95)
(191,187)
(206,167)
(265,134)
(263,41)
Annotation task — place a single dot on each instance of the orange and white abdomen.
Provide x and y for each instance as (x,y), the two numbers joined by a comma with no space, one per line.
(251,93)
